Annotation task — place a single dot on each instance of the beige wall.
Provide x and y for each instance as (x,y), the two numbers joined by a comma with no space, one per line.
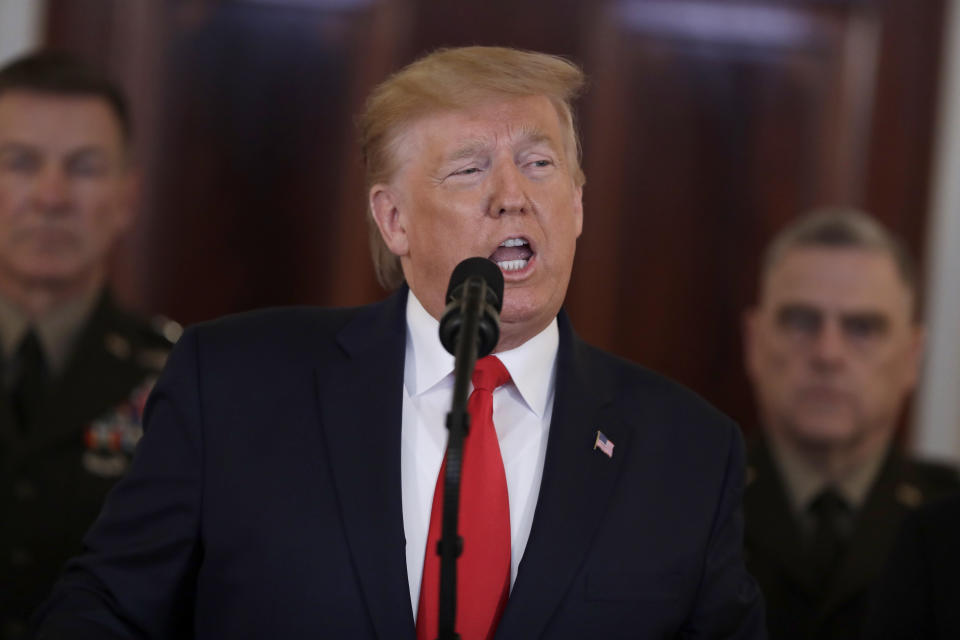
(20,26)
(937,432)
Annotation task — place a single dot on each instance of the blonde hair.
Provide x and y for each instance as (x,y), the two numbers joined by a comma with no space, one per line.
(450,79)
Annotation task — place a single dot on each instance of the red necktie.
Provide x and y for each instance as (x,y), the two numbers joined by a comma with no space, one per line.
(483,569)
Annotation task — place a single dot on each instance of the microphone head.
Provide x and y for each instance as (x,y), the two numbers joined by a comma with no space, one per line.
(486,270)
(484,273)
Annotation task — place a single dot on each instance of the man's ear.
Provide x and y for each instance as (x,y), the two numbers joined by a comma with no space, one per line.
(749,320)
(578,208)
(917,349)
(386,209)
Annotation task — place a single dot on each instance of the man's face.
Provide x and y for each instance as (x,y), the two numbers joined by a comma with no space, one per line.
(831,349)
(64,189)
(492,181)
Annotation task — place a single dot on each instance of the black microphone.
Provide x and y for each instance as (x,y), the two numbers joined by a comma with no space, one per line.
(476,287)
(469,329)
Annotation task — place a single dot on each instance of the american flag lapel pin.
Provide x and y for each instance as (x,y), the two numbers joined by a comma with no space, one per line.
(604,444)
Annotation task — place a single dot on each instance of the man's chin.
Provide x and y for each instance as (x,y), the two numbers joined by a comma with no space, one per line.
(50,274)
(825,434)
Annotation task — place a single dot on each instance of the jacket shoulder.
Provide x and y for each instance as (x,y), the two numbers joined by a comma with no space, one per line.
(277,323)
(628,377)
(933,478)
(130,336)
(283,334)
(652,393)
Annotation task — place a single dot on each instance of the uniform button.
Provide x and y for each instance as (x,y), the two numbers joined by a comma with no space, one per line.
(20,557)
(24,490)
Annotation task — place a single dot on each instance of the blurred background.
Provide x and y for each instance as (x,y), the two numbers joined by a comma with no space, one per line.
(707,125)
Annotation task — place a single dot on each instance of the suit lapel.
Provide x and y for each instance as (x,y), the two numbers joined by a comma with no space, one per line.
(360,404)
(574,492)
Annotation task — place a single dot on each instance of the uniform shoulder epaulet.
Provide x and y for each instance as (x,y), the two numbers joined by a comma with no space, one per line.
(147,342)
(167,329)
(164,334)
(926,480)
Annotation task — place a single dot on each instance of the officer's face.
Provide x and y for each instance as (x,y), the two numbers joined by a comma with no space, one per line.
(64,190)
(832,349)
(494,181)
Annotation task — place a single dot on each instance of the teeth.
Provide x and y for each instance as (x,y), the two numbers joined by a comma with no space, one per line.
(513,242)
(512,265)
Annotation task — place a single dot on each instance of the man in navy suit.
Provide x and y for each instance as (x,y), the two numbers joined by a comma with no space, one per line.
(283,486)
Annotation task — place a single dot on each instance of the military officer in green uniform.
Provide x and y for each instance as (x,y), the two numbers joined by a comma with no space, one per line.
(833,348)
(75,368)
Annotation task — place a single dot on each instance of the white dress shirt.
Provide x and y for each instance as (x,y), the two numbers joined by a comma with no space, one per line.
(521,416)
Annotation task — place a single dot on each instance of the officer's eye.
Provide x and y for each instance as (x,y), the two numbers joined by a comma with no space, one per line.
(89,164)
(862,326)
(20,160)
(800,320)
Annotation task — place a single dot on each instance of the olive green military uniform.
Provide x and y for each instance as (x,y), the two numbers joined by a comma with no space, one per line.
(774,541)
(55,475)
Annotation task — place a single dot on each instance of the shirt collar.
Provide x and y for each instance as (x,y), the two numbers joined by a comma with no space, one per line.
(804,483)
(57,330)
(13,326)
(531,365)
(427,362)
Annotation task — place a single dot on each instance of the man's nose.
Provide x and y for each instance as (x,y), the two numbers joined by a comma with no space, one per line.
(829,345)
(52,188)
(509,195)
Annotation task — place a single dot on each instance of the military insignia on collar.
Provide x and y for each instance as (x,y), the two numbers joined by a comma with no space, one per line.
(909,496)
(111,439)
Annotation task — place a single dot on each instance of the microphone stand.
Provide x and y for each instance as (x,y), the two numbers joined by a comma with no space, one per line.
(450,545)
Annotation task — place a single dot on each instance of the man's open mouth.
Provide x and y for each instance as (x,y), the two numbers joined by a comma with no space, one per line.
(513,254)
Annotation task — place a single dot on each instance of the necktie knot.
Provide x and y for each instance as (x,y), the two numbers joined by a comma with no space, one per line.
(490,373)
(828,506)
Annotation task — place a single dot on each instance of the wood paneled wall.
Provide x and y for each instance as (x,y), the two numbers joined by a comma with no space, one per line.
(707,125)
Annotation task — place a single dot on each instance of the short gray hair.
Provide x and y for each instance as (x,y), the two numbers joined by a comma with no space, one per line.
(842,228)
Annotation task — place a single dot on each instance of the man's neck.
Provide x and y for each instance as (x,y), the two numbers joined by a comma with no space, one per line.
(37,299)
(838,463)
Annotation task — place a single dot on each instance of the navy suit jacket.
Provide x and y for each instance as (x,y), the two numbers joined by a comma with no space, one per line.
(264,499)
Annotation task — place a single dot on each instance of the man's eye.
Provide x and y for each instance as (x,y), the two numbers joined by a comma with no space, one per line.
(542,163)
(800,320)
(862,326)
(467,171)
(86,167)
(20,162)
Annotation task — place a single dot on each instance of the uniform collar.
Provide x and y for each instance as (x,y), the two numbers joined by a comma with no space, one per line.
(803,483)
(57,330)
